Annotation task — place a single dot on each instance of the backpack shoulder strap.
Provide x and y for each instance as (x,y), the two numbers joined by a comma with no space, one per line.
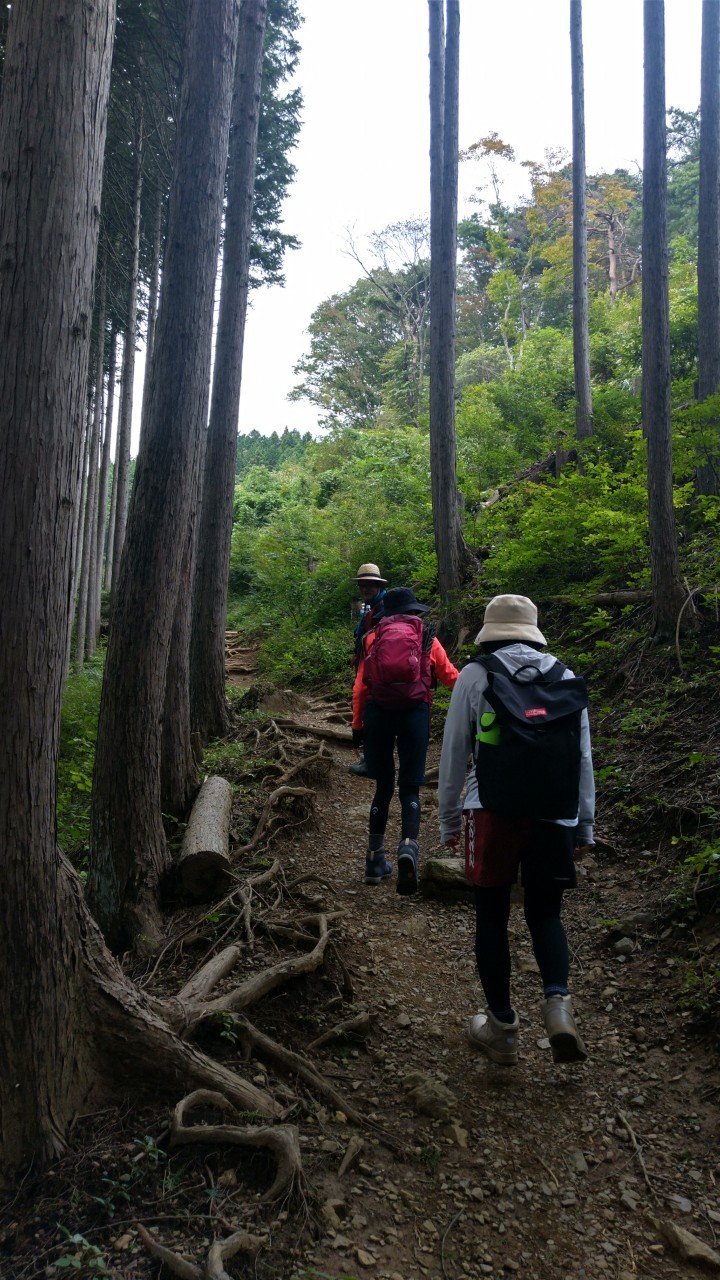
(491,663)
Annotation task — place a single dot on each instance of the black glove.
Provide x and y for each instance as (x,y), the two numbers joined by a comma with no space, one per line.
(357,737)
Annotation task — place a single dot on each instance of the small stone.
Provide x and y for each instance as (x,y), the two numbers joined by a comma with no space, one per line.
(458,1135)
(681,1203)
(624,947)
(404,1020)
(366,1259)
(543,1043)
(629,1200)
(640,1034)
(577,1161)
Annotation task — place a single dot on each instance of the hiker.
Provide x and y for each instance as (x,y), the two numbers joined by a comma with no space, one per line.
(402,661)
(371,588)
(529,805)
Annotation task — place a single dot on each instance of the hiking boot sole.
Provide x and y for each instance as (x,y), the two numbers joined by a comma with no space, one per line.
(567,1048)
(407,881)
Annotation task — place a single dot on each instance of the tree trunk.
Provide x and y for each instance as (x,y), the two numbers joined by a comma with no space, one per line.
(102,519)
(154,279)
(444,62)
(52,132)
(109,563)
(122,448)
(667,588)
(581,335)
(179,778)
(87,572)
(707,480)
(207,654)
(80,491)
(128,847)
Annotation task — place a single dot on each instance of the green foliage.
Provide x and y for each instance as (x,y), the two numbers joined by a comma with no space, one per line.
(78,729)
(84,1260)
(270,452)
(587,530)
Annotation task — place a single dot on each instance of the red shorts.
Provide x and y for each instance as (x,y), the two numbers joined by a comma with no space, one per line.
(497,846)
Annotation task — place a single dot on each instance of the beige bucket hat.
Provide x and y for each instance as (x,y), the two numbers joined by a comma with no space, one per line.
(369,573)
(510,618)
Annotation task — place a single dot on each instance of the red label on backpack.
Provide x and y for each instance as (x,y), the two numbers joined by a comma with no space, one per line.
(531,713)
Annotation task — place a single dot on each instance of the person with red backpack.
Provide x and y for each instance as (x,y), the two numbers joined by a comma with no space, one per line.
(521,717)
(402,660)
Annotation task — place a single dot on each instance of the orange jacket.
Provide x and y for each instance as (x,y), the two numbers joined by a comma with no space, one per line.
(441,665)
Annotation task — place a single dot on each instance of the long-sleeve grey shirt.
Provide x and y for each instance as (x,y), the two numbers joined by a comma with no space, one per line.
(467,704)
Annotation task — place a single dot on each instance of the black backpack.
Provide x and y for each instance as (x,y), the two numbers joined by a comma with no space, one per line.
(527,758)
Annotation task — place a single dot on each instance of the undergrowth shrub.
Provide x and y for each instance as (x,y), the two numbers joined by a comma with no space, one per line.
(78,731)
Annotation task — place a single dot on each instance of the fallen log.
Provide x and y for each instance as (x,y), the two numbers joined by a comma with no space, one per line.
(203,867)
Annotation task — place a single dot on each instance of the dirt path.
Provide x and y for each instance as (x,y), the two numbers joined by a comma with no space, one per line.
(537,1170)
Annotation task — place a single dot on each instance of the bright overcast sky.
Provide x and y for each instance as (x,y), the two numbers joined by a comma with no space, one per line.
(362,159)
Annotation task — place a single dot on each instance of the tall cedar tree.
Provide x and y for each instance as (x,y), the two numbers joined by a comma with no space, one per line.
(444,86)
(129,851)
(581,334)
(52,134)
(708,475)
(667,588)
(207,670)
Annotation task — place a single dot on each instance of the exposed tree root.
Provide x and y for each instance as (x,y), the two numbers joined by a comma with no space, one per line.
(187,1016)
(282,1139)
(294,1064)
(219,1253)
(359,1025)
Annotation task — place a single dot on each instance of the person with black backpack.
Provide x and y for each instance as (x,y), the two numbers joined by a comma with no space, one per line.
(529,805)
(402,660)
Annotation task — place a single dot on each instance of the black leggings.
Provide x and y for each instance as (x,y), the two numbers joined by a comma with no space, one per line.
(492,948)
(408,730)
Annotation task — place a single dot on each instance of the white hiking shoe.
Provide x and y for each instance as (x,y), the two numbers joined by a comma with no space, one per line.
(564,1037)
(497,1040)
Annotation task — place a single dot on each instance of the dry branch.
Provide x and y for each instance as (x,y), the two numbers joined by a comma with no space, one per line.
(283,1139)
(204,864)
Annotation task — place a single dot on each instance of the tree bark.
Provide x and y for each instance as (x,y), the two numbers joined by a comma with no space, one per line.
(179,777)
(128,847)
(87,571)
(109,564)
(707,480)
(207,653)
(52,132)
(581,335)
(102,515)
(124,431)
(668,593)
(444,65)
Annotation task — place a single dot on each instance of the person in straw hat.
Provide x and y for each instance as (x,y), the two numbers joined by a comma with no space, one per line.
(371,589)
(498,844)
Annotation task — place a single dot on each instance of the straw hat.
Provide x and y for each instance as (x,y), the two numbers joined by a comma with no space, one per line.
(369,573)
(510,618)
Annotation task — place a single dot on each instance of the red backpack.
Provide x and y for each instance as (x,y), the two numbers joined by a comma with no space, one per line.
(397,668)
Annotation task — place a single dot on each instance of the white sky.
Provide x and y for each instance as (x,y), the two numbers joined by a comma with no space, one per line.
(362,159)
